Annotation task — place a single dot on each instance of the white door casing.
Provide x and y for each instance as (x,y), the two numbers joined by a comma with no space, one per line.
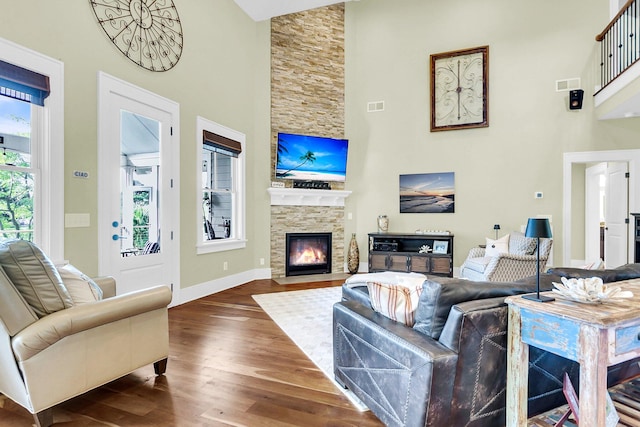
(631,157)
(616,215)
(137,272)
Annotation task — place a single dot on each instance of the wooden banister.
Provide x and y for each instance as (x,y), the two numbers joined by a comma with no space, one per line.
(600,36)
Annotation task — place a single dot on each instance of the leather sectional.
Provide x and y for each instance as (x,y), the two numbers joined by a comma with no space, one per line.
(450,368)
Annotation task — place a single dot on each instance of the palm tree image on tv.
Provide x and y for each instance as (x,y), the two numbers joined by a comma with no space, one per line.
(305,158)
(311,158)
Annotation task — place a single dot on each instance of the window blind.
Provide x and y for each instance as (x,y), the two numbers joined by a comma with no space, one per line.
(214,142)
(25,85)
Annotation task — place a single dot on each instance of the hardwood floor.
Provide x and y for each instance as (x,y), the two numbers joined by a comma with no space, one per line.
(229,365)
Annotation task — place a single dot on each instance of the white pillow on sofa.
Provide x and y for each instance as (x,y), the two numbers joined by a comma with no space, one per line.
(392,277)
(81,288)
(496,247)
(396,301)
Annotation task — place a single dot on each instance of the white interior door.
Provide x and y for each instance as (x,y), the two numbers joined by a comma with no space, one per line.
(616,214)
(138,198)
(594,209)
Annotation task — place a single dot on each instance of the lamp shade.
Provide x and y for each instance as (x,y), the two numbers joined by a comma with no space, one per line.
(538,227)
(496,227)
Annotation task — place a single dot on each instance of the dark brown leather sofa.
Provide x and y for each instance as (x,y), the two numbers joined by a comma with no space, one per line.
(449,369)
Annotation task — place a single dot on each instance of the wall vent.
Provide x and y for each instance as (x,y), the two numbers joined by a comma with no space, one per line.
(567,84)
(374,106)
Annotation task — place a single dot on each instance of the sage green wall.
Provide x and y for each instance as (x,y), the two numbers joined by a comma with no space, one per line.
(223,75)
(497,169)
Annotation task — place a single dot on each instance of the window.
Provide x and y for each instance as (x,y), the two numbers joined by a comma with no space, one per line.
(221,216)
(32,148)
(18,173)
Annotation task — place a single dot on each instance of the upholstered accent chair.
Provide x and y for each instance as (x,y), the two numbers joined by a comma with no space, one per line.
(517,259)
(63,334)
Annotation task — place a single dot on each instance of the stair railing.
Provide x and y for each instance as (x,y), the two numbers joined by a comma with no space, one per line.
(619,43)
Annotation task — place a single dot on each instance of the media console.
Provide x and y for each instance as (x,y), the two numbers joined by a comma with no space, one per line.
(401,252)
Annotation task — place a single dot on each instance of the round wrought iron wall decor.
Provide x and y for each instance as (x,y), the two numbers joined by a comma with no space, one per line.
(148,32)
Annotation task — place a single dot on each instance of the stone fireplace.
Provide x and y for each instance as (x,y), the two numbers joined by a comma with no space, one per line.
(306,211)
(307,253)
(307,99)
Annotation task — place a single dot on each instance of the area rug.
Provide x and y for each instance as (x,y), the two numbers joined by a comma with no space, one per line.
(290,280)
(307,318)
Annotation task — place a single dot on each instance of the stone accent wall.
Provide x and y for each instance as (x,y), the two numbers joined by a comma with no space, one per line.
(312,219)
(307,97)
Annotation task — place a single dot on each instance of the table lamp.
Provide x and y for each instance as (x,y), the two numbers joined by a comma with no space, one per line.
(538,228)
(496,228)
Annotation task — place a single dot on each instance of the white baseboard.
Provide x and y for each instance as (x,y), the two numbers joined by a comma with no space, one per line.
(214,286)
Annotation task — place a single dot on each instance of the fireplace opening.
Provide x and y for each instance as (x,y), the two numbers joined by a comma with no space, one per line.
(307,253)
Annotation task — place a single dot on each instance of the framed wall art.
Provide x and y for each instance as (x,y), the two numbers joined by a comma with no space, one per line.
(427,193)
(460,89)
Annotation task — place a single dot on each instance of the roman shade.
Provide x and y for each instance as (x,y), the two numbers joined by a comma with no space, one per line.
(25,85)
(218,143)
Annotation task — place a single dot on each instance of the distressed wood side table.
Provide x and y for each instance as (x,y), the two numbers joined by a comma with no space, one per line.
(594,335)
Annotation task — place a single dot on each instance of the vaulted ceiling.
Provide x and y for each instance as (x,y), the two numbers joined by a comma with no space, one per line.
(260,10)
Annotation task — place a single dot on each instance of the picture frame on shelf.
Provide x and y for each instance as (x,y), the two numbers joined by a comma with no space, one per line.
(460,89)
(440,246)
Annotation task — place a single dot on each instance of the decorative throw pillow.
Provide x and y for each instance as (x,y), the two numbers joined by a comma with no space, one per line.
(80,286)
(496,247)
(519,244)
(397,302)
(34,276)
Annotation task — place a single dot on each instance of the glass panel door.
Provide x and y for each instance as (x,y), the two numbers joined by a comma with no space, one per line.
(139,185)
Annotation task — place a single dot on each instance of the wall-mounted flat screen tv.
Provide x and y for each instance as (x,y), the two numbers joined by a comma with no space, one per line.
(311,158)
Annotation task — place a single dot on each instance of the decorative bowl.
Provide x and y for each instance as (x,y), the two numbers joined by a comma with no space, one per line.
(589,291)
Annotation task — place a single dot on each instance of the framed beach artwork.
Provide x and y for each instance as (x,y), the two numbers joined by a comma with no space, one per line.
(427,193)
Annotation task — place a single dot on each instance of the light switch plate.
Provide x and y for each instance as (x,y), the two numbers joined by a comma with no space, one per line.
(77,220)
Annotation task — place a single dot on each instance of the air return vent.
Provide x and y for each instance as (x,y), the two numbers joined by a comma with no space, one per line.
(374,106)
(567,84)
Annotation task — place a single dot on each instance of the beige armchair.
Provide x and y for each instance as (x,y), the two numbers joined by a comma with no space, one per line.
(48,359)
(519,262)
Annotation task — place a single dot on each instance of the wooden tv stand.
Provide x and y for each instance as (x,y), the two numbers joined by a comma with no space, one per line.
(400,252)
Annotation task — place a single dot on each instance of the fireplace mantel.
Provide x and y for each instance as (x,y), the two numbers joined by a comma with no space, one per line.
(307,197)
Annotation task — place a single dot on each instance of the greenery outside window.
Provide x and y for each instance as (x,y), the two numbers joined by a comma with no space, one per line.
(221,216)
(18,174)
(32,150)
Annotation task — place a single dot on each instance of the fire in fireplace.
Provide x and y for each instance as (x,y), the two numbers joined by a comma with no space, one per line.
(308,253)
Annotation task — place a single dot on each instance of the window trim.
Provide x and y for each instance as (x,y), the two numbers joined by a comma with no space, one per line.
(49,212)
(239,215)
